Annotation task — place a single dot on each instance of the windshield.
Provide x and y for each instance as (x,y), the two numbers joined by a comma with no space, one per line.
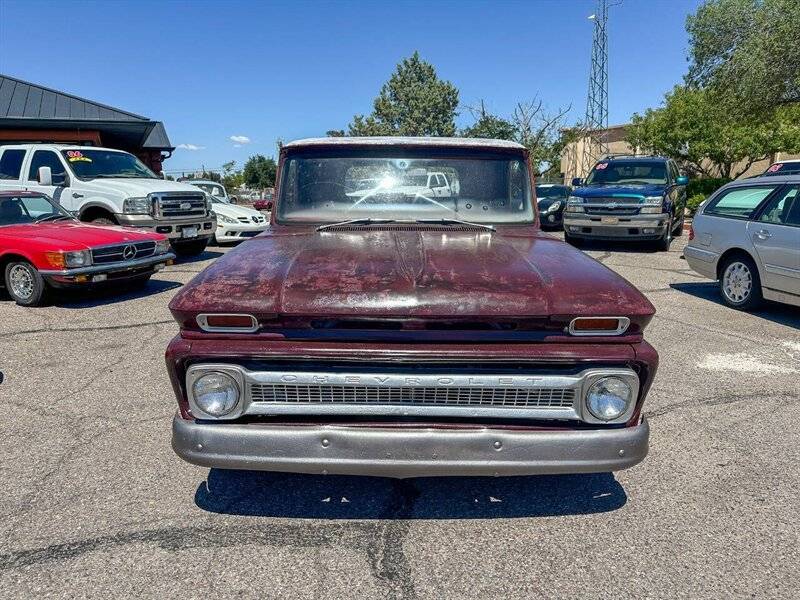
(16,210)
(622,172)
(551,191)
(414,186)
(93,164)
(214,189)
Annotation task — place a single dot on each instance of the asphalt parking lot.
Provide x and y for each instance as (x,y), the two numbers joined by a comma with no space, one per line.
(95,504)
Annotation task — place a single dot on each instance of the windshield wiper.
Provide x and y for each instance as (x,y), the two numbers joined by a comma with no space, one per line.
(455,222)
(366,221)
(52,217)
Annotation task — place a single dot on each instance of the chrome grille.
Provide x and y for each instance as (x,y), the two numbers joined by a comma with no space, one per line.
(117,253)
(612,206)
(180,205)
(452,396)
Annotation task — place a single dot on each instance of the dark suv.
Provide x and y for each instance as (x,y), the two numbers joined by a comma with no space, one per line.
(631,197)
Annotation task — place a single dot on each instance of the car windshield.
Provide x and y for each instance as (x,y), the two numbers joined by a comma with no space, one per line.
(93,164)
(408,186)
(551,191)
(792,168)
(620,172)
(214,189)
(16,210)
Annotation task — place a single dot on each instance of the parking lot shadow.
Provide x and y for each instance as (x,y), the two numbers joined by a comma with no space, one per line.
(256,493)
(782,314)
(205,255)
(110,295)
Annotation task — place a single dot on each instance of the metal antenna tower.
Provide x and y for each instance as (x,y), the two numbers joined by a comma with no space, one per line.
(596,122)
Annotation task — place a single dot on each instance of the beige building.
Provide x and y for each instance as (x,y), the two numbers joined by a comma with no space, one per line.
(614,137)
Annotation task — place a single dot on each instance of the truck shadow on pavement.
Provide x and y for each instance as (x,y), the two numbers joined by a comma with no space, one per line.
(205,255)
(110,295)
(783,314)
(285,495)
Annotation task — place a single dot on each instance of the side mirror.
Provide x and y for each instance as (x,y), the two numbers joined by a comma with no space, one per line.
(682,180)
(577,182)
(45,176)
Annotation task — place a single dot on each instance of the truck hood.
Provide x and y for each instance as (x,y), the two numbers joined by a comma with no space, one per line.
(136,187)
(605,191)
(74,235)
(408,274)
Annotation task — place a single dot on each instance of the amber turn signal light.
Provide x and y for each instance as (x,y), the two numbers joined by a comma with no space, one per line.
(599,325)
(55,259)
(227,323)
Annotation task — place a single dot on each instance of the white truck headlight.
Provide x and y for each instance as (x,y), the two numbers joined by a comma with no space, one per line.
(574,204)
(609,398)
(216,394)
(136,206)
(162,247)
(80,258)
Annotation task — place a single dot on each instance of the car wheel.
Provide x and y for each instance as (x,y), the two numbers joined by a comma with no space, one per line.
(663,244)
(679,229)
(192,248)
(740,284)
(25,285)
(102,221)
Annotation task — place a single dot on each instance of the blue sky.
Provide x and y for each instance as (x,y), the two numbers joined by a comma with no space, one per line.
(269,70)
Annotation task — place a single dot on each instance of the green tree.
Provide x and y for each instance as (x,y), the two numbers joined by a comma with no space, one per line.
(231,177)
(413,102)
(692,128)
(490,126)
(259,172)
(747,52)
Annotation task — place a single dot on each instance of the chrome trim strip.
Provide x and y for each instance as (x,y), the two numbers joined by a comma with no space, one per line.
(580,383)
(202,322)
(622,326)
(113,267)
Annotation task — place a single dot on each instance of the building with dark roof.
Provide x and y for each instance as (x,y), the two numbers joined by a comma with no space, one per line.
(33,113)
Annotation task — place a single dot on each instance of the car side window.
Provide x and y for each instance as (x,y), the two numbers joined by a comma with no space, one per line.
(46,158)
(11,164)
(740,202)
(784,209)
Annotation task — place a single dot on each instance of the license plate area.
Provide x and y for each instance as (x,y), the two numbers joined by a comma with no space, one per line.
(189,232)
(609,220)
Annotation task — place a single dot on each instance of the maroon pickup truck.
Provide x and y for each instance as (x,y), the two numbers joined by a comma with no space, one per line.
(388,325)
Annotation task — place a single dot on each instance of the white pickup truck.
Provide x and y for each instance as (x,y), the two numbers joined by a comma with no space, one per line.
(106,186)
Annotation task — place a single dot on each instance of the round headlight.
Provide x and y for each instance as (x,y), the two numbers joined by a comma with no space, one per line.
(216,393)
(608,398)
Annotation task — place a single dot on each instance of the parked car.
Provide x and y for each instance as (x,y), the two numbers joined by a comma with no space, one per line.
(43,247)
(264,204)
(628,198)
(110,187)
(408,183)
(747,236)
(552,199)
(236,223)
(782,167)
(213,188)
(409,336)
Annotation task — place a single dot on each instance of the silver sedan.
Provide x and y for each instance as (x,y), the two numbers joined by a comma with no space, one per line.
(747,236)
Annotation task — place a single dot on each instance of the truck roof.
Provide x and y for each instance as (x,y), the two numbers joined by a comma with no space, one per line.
(60,147)
(406,141)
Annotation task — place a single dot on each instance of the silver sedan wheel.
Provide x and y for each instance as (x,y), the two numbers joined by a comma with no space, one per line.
(737,282)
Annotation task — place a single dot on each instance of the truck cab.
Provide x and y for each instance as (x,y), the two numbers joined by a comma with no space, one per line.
(628,197)
(107,186)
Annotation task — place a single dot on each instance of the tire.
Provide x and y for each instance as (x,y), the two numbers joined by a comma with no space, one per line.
(663,244)
(679,231)
(193,248)
(25,285)
(102,221)
(740,284)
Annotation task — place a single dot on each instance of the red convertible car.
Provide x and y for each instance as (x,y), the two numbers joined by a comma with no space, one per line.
(405,316)
(43,247)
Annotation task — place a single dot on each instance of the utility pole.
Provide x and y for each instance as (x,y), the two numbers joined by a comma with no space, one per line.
(596,121)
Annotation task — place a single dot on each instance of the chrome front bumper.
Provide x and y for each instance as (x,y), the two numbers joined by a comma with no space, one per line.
(407,452)
(115,267)
(615,226)
(172,227)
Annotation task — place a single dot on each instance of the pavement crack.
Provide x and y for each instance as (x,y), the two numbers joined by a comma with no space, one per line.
(86,329)
(717,400)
